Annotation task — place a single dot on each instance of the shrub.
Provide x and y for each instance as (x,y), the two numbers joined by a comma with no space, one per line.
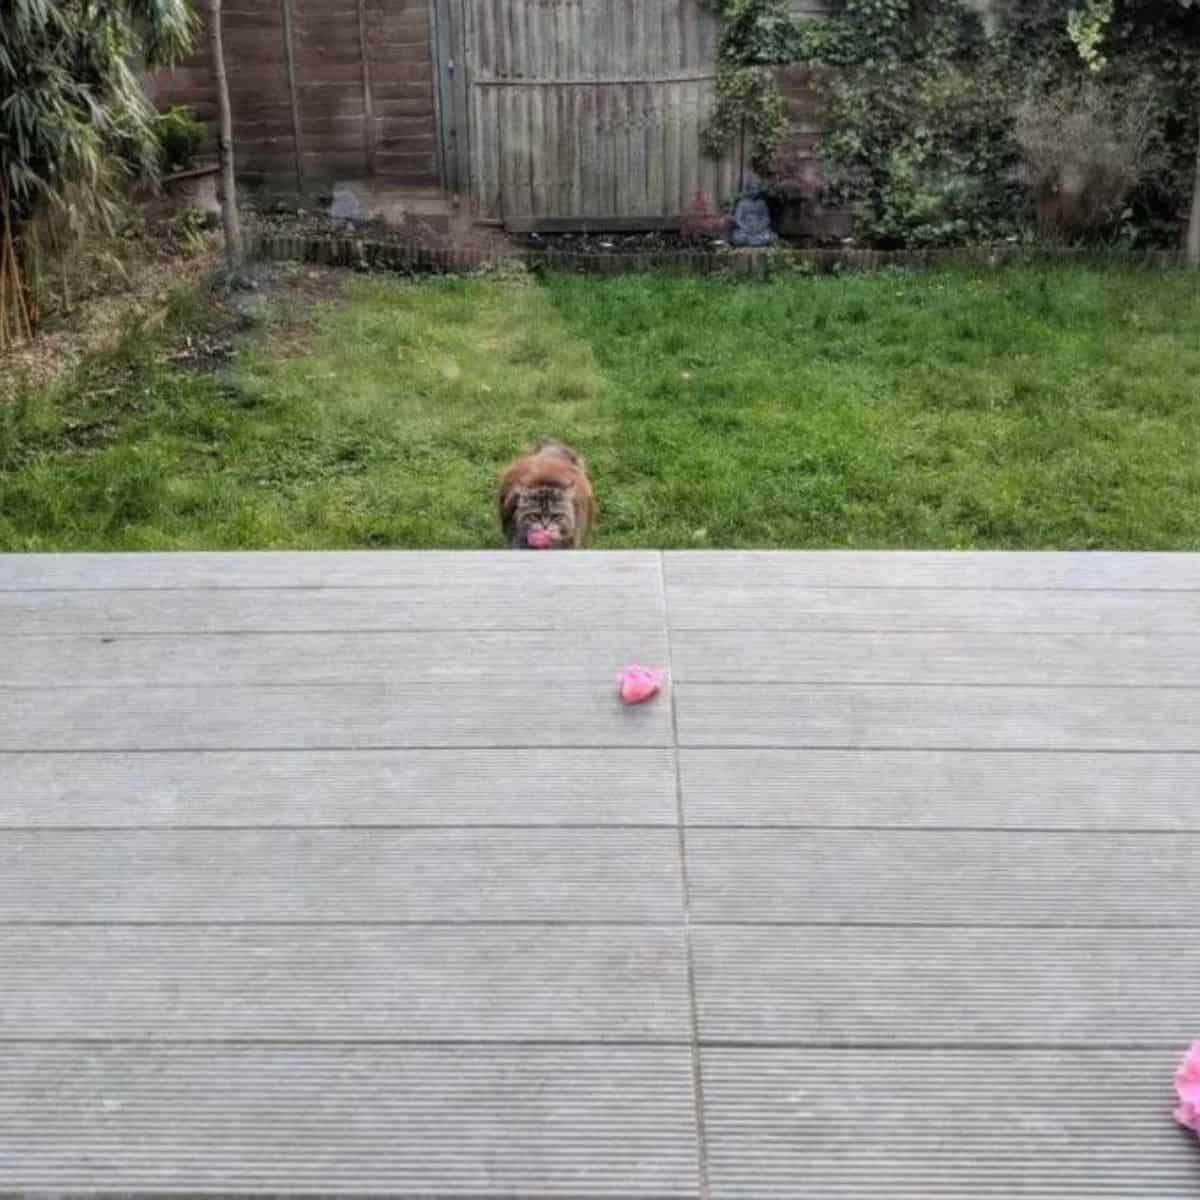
(924,153)
(180,134)
(1085,147)
(750,111)
(702,220)
(75,125)
(936,132)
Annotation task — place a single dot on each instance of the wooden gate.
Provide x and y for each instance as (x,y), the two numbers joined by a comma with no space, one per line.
(578,112)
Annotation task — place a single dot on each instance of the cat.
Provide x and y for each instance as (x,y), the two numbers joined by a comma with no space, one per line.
(546,500)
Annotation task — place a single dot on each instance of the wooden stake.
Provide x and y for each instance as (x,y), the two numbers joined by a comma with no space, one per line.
(16,324)
(1193,232)
(289,45)
(368,94)
(229,210)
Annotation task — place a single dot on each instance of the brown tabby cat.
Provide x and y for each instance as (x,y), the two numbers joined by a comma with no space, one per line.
(546,500)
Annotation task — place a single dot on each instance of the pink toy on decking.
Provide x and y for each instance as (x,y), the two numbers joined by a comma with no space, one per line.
(638,684)
(1187,1088)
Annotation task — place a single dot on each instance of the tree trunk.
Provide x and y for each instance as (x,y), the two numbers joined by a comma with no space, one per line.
(16,315)
(1193,233)
(229,211)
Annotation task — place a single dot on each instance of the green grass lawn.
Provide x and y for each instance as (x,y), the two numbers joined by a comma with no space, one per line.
(1026,407)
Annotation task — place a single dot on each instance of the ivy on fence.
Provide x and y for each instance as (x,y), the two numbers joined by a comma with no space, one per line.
(751,112)
(928,108)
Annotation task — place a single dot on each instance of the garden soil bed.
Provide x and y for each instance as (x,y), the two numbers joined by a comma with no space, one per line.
(607,244)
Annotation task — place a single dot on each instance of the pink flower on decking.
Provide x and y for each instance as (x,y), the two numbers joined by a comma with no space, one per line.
(1187,1088)
(638,684)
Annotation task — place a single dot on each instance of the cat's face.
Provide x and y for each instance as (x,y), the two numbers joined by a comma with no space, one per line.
(543,519)
(546,501)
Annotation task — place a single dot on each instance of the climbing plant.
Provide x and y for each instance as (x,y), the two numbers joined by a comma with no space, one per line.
(750,112)
(1137,51)
(918,116)
(1086,27)
(1178,28)
(923,97)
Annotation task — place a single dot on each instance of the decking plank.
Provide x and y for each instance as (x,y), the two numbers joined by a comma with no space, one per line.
(1087,570)
(890,717)
(1033,660)
(487,604)
(318,984)
(463,1121)
(639,570)
(941,789)
(339,788)
(922,987)
(376,875)
(218,660)
(957,1124)
(751,605)
(524,713)
(918,876)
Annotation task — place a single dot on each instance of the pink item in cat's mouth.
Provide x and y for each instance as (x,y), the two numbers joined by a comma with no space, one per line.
(541,538)
(1187,1088)
(638,684)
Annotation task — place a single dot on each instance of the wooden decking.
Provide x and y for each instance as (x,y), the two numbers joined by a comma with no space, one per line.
(346,874)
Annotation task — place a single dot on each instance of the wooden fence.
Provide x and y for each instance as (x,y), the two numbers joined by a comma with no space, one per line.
(322,90)
(584,111)
(543,113)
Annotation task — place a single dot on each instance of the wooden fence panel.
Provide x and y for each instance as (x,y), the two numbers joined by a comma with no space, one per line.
(321,90)
(256,64)
(398,37)
(589,111)
(448,33)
